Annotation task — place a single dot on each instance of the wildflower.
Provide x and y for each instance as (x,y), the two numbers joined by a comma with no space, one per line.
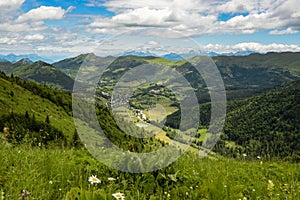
(93,179)
(245,155)
(111,179)
(270,184)
(24,193)
(270,187)
(258,157)
(50,182)
(118,195)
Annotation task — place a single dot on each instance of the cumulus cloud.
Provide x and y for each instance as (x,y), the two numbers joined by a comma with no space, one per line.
(237,6)
(193,18)
(43,13)
(9,41)
(8,9)
(35,37)
(22,27)
(143,17)
(283,32)
(10,4)
(250,46)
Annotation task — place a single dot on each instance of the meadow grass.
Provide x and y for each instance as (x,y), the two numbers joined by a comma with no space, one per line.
(56,173)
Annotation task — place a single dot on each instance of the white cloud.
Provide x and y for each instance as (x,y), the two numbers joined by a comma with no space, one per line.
(35,37)
(43,13)
(192,18)
(22,27)
(8,41)
(143,17)
(8,9)
(283,32)
(250,46)
(237,6)
(10,4)
(152,43)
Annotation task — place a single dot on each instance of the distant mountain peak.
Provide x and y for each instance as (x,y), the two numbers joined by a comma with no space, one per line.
(138,53)
(41,63)
(24,61)
(15,58)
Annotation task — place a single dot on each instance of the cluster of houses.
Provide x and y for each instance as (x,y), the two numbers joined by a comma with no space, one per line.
(140,115)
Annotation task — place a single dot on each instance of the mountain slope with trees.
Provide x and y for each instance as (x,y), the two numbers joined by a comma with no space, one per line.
(40,72)
(267,125)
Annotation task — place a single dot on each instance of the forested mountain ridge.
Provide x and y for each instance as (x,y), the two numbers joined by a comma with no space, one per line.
(40,72)
(267,125)
(243,76)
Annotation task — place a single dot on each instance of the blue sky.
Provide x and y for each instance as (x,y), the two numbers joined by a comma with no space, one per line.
(58,29)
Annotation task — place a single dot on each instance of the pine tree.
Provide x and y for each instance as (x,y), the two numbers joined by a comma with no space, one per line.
(76,142)
(47,119)
(26,115)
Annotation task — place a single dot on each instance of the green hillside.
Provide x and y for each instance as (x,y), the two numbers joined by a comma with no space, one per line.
(22,97)
(71,65)
(28,100)
(40,72)
(267,125)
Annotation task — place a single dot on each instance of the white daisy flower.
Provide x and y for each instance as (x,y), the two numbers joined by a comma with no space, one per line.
(111,179)
(119,195)
(93,179)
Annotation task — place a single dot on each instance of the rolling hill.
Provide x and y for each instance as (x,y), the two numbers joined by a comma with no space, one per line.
(40,72)
(244,76)
(71,65)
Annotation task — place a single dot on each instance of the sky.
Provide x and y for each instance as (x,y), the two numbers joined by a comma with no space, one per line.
(58,29)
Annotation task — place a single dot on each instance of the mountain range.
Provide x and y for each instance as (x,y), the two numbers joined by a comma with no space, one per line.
(257,115)
(243,76)
(14,58)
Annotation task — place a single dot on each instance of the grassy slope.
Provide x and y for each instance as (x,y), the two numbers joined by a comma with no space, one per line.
(23,100)
(55,174)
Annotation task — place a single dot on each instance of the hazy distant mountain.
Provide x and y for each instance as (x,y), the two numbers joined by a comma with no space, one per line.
(173,57)
(14,58)
(24,61)
(137,53)
(3,60)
